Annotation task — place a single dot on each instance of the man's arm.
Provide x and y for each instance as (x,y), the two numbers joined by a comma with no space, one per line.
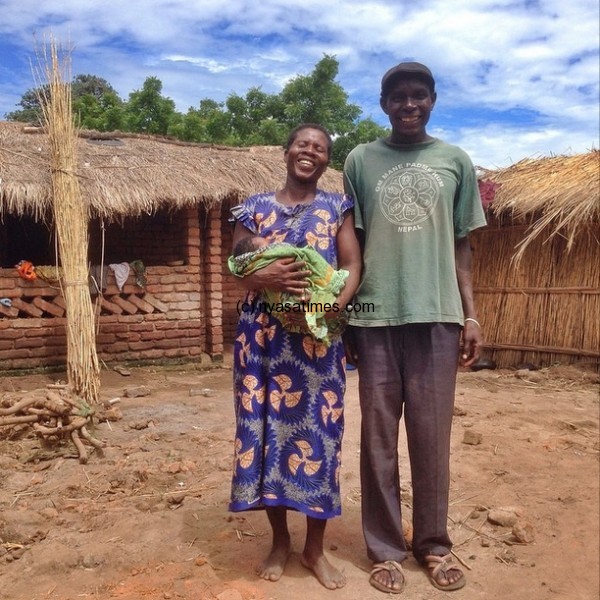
(472,334)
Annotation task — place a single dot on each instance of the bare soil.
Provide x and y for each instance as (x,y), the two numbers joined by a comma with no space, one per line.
(149,520)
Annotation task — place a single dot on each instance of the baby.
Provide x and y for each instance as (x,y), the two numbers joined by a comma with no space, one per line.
(325,283)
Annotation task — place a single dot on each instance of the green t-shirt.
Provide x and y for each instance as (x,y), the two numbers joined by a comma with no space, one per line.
(412,201)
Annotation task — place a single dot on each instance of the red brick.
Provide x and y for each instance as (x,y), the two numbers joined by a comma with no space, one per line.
(142,305)
(26,307)
(110,306)
(127,306)
(161,306)
(49,307)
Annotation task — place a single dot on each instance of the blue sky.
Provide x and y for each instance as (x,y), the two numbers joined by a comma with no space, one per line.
(515,78)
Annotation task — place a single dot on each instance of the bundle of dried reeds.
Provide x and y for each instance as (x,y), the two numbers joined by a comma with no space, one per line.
(71,222)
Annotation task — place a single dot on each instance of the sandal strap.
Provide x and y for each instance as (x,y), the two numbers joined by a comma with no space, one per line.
(387,565)
(445,564)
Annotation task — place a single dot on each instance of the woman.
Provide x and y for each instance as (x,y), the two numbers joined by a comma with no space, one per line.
(289,387)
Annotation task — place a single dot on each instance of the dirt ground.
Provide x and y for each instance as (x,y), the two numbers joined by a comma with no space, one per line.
(149,520)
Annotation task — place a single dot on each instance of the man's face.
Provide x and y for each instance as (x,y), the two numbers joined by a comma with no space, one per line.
(408,105)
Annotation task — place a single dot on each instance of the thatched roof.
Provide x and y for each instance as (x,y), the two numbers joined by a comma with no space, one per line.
(128,174)
(556,195)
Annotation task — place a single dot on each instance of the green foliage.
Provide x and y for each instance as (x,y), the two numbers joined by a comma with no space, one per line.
(31,111)
(104,113)
(91,85)
(256,118)
(148,111)
(95,104)
(317,98)
(365,131)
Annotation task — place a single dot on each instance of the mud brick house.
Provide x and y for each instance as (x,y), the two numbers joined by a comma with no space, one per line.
(157,203)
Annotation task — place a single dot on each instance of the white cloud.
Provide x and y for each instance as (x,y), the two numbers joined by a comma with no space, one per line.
(522,75)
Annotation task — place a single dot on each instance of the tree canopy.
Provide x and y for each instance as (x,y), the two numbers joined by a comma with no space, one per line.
(256,118)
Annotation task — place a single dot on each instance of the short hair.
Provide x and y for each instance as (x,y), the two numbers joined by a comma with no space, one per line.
(294,134)
(247,244)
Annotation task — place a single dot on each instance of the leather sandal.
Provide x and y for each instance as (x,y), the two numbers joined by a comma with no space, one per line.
(439,567)
(390,566)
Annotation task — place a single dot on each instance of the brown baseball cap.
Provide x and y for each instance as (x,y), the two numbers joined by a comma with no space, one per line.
(404,70)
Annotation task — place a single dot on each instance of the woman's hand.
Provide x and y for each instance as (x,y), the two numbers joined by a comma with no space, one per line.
(283,275)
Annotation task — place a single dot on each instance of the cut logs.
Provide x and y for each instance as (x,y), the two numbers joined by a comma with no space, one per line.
(53,414)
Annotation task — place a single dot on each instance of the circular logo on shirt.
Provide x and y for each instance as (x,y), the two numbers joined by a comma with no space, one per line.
(409,196)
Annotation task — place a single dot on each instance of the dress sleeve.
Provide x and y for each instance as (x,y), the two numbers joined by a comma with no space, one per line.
(244,213)
(346,203)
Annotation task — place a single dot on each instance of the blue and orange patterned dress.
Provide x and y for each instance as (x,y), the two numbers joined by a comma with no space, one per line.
(288,387)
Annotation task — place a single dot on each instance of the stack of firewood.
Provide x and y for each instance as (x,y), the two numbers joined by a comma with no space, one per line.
(54,413)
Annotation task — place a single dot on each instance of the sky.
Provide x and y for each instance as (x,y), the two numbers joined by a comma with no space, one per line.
(515,78)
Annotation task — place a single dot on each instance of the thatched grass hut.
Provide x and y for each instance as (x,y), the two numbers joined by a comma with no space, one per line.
(537,263)
(159,201)
(126,175)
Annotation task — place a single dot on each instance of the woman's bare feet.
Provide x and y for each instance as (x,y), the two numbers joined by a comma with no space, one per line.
(324,571)
(272,567)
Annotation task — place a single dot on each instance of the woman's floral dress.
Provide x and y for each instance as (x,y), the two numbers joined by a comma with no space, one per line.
(288,387)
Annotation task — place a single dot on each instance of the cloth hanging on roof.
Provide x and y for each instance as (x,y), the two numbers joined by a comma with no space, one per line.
(97,279)
(140,272)
(26,270)
(121,271)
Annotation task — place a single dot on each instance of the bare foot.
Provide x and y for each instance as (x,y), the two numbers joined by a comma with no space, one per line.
(325,572)
(272,567)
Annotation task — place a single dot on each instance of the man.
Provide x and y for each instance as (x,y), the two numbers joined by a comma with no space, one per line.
(417,199)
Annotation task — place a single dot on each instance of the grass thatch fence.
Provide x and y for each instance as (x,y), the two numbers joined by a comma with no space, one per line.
(537,264)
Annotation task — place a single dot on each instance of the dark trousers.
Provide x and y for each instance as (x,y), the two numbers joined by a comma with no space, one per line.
(410,370)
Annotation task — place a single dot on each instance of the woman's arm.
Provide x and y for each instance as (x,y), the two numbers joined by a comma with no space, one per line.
(349,258)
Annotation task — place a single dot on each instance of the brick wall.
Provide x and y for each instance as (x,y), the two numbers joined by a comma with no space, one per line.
(167,319)
(164,320)
(233,292)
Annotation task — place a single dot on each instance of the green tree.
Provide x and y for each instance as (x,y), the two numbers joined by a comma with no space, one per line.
(96,104)
(91,85)
(364,131)
(209,123)
(31,111)
(148,111)
(318,98)
(102,114)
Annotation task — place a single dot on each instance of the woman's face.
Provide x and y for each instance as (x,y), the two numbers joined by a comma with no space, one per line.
(308,155)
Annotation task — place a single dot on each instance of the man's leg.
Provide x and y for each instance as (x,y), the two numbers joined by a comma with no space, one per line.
(380,391)
(430,365)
